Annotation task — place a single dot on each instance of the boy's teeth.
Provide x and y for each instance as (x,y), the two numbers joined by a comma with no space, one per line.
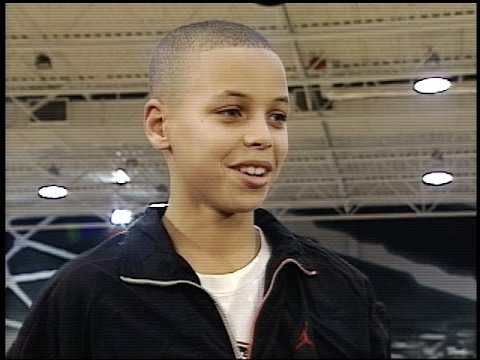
(251,170)
(259,171)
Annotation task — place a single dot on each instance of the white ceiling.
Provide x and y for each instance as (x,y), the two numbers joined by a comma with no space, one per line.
(369,149)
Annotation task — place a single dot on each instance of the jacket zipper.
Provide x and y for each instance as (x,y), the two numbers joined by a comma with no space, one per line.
(226,323)
(279,267)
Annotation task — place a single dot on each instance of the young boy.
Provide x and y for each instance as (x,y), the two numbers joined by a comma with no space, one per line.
(212,275)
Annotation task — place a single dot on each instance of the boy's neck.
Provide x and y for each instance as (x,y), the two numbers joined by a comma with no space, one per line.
(210,242)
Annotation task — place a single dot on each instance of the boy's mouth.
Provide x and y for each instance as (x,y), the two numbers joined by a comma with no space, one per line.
(254,174)
(253,167)
(252,170)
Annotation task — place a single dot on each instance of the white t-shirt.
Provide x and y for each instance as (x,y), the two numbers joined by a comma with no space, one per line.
(240,293)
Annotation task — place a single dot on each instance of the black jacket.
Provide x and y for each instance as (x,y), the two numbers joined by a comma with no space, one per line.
(134,297)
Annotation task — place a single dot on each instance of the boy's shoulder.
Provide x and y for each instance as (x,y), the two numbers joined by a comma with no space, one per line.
(325,260)
(89,268)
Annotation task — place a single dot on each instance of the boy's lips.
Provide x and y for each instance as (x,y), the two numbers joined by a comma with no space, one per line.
(255,163)
(252,181)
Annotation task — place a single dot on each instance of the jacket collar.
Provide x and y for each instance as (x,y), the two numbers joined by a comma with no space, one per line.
(148,250)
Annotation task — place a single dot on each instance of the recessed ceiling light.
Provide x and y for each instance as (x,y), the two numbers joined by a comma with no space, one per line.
(120,177)
(432,85)
(437,178)
(52,192)
(121,217)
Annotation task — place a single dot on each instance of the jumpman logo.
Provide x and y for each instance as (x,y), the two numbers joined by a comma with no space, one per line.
(304,339)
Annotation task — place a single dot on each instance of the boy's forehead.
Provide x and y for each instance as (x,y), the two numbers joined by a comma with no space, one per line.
(249,75)
(242,67)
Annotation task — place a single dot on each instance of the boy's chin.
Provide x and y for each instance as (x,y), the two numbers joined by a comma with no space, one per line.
(240,207)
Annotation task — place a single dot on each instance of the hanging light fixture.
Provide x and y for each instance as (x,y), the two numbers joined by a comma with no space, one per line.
(437,178)
(121,217)
(120,177)
(436,175)
(431,85)
(52,192)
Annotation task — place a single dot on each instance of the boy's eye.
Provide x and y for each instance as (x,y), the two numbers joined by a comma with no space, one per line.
(231,112)
(278,117)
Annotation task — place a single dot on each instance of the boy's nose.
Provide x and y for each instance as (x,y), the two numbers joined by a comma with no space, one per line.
(258,135)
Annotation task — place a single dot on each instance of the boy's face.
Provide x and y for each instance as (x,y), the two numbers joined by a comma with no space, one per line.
(230,119)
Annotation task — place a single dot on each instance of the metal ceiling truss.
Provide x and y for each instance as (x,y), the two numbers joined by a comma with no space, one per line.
(329,30)
(73,81)
(343,178)
(361,177)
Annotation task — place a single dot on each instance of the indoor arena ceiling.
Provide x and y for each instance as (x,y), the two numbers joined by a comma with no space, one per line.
(360,137)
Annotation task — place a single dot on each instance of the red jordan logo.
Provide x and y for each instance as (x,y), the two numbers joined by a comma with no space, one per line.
(304,339)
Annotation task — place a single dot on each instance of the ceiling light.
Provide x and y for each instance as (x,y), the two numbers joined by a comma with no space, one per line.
(432,85)
(52,192)
(158,205)
(120,177)
(437,178)
(121,217)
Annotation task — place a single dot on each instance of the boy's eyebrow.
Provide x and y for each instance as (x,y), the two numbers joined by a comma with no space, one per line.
(228,93)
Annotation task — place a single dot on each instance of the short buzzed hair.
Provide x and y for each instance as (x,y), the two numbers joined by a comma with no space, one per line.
(179,46)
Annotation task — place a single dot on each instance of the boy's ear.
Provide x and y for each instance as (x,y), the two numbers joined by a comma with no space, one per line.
(154,124)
